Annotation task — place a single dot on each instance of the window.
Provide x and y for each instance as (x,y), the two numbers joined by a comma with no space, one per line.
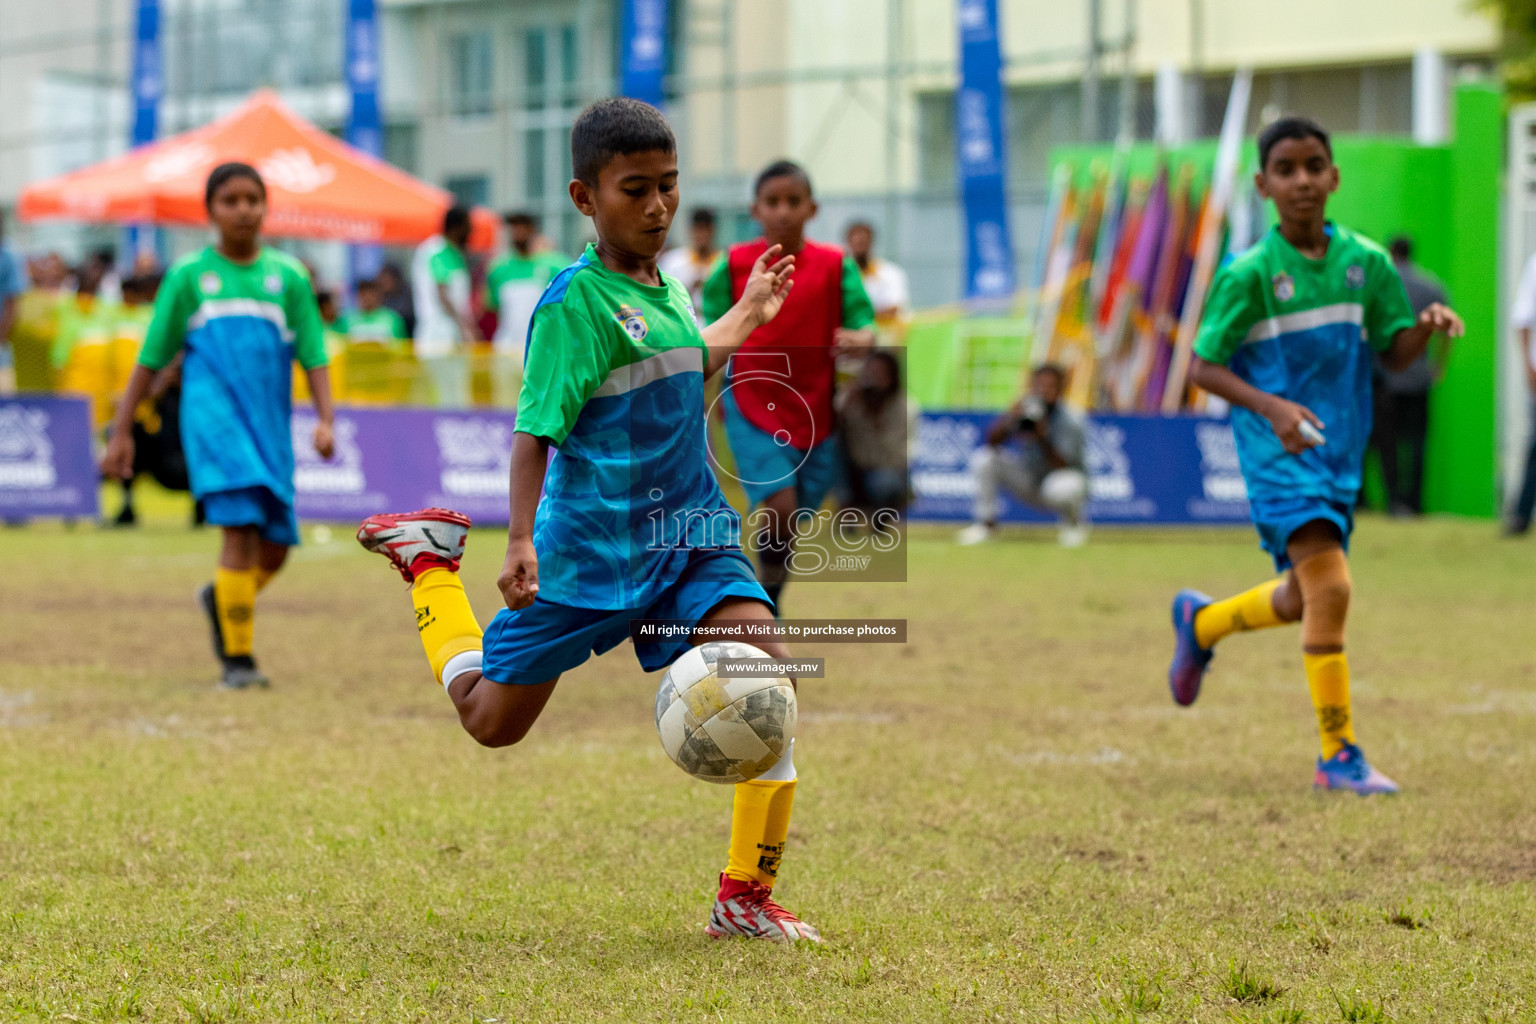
(470,189)
(936,138)
(533,165)
(535,68)
(471,74)
(570,66)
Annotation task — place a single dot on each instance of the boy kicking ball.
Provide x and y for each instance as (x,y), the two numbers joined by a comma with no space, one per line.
(1287,339)
(631,525)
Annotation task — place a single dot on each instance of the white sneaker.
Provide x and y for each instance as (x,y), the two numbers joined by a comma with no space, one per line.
(1072,536)
(431,538)
(976,533)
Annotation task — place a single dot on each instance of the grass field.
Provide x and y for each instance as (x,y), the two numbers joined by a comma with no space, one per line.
(1004,819)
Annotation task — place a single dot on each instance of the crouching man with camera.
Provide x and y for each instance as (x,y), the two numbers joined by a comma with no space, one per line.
(1045,469)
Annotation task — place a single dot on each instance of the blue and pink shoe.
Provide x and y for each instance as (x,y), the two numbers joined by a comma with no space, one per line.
(1348,769)
(1190,660)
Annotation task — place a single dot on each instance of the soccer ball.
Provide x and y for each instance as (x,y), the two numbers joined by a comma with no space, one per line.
(723,730)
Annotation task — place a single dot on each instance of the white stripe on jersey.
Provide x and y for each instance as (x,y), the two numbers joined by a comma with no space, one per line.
(633,376)
(1306,320)
(214,309)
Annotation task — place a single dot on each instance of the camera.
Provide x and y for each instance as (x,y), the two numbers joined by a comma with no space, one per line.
(1032,413)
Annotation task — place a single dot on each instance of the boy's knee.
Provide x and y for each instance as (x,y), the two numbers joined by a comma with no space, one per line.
(494,734)
(1326,588)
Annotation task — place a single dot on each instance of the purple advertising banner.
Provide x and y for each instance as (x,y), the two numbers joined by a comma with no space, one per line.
(47,465)
(1153,470)
(402,459)
(1142,469)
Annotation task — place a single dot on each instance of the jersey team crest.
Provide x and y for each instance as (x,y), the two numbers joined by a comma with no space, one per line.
(634,322)
(209,283)
(1285,287)
(1354,276)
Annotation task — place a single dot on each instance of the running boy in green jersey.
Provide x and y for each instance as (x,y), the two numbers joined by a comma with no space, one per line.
(1287,338)
(242,312)
(631,524)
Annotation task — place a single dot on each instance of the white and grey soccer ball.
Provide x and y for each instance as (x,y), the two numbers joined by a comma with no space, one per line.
(723,730)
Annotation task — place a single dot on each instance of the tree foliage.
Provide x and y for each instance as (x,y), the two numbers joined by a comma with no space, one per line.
(1517,66)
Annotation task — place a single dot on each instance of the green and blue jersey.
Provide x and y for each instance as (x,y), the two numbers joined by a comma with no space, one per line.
(614,378)
(242,325)
(1305,330)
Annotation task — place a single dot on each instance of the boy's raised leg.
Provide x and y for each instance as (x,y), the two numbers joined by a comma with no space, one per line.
(1199,622)
(425,548)
(744,905)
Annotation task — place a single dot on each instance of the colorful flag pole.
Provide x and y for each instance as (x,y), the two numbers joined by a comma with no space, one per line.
(1208,245)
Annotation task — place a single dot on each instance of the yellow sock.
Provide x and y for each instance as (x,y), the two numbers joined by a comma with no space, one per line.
(234,597)
(444,618)
(263,577)
(759,826)
(1328,679)
(1252,609)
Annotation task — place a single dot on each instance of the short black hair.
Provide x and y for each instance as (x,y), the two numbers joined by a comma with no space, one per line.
(456,217)
(1401,248)
(373,284)
(1054,369)
(516,217)
(782,169)
(1291,127)
(617,126)
(859,225)
(145,285)
(227,172)
(703,217)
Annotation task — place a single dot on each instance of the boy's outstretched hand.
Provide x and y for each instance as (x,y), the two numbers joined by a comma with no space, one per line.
(1442,319)
(767,285)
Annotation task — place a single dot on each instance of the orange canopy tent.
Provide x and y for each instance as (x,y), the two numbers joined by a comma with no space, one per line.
(317,185)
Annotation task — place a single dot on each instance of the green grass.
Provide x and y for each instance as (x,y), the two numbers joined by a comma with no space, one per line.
(1004,819)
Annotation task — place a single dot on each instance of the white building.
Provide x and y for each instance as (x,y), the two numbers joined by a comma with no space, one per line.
(478,95)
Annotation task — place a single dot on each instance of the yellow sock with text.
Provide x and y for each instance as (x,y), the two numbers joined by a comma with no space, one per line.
(234,598)
(1252,609)
(1328,679)
(444,618)
(760,822)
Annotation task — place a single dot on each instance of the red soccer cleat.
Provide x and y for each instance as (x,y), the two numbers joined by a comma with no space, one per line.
(431,538)
(746,910)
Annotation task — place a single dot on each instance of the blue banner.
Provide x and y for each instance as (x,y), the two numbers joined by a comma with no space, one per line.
(46,462)
(365,128)
(643,59)
(982,154)
(1141,469)
(146,85)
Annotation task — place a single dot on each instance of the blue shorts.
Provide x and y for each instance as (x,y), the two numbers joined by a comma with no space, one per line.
(273,517)
(1276,519)
(765,467)
(538,643)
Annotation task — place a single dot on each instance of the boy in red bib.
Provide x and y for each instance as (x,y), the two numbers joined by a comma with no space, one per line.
(778,390)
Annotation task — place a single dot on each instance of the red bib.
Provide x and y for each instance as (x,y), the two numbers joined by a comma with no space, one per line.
(782,377)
